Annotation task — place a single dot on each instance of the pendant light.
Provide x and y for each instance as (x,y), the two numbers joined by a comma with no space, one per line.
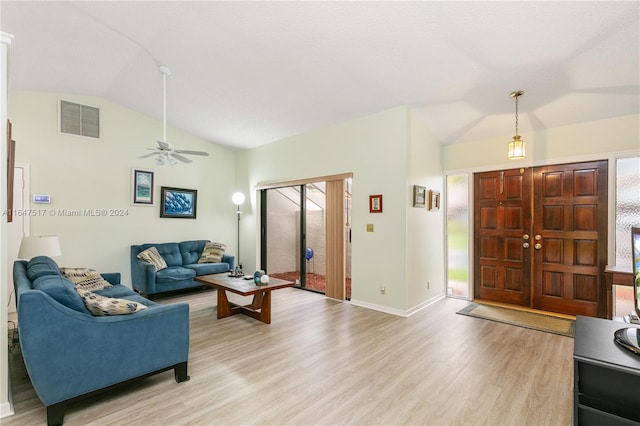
(516,146)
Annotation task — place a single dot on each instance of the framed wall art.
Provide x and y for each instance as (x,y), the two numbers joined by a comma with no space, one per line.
(142,187)
(375,203)
(434,200)
(419,196)
(178,202)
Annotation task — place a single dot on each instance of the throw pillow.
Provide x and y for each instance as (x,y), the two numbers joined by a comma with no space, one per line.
(212,253)
(85,278)
(152,256)
(101,305)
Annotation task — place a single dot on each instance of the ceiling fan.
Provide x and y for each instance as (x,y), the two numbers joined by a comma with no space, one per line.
(164,151)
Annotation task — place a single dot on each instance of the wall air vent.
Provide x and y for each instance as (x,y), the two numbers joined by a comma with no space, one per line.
(81,120)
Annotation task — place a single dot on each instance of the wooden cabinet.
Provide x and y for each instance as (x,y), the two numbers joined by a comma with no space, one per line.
(606,377)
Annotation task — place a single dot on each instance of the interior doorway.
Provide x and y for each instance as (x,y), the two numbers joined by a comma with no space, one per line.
(541,237)
(18,227)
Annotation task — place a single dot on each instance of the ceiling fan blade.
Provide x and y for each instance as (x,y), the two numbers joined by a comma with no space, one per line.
(148,155)
(180,157)
(164,146)
(184,151)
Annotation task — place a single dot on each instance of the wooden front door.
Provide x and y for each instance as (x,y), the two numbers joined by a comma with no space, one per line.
(502,221)
(541,237)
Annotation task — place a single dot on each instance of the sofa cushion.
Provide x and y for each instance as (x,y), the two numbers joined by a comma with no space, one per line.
(152,256)
(100,305)
(40,266)
(191,251)
(85,278)
(173,274)
(124,292)
(170,252)
(208,268)
(212,253)
(62,290)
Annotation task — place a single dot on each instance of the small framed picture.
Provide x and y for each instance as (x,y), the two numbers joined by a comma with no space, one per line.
(419,196)
(375,203)
(142,187)
(178,202)
(434,200)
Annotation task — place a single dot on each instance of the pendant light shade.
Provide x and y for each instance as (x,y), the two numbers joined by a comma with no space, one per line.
(516,148)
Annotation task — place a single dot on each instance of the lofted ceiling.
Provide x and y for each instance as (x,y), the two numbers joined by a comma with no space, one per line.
(246,74)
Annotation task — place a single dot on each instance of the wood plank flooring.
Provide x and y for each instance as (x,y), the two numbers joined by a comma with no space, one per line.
(323,362)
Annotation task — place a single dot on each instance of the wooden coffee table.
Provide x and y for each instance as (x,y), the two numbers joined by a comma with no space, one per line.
(259,309)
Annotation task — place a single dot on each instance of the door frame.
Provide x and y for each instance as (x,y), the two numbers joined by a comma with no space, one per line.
(611,157)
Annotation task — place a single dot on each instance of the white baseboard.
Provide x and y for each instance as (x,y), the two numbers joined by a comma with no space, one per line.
(398,312)
(6,410)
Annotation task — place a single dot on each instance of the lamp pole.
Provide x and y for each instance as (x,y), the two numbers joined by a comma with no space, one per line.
(238,198)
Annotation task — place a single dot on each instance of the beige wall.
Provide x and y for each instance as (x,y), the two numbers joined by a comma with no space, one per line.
(376,149)
(81,173)
(591,139)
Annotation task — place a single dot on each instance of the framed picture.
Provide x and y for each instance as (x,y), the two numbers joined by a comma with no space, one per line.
(434,200)
(419,196)
(142,187)
(178,202)
(375,203)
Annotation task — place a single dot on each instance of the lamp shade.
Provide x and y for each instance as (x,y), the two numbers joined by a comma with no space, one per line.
(237,198)
(31,247)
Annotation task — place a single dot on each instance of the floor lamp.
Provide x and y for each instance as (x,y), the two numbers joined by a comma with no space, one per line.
(238,198)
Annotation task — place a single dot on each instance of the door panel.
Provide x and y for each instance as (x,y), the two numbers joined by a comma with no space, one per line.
(502,219)
(569,263)
(541,237)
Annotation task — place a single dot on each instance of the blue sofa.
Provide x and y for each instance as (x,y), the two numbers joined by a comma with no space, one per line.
(182,267)
(71,354)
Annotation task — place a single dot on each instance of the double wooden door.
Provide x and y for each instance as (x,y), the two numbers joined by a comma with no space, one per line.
(541,237)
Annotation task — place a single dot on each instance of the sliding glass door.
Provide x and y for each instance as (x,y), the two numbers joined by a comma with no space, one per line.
(305,235)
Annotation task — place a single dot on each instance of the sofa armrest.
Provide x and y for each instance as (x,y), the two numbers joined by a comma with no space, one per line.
(230,259)
(106,350)
(112,277)
(143,274)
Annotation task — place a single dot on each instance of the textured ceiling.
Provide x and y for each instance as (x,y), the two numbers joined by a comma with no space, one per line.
(250,73)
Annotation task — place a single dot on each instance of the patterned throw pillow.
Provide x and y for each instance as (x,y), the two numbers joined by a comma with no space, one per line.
(101,305)
(85,279)
(212,253)
(152,256)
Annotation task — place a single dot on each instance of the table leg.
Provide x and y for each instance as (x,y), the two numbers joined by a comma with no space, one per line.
(224,309)
(265,309)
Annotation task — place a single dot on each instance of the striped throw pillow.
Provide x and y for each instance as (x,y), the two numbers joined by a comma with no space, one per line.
(212,253)
(85,279)
(152,256)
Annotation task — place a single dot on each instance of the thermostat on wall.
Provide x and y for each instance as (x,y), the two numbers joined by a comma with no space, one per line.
(41,199)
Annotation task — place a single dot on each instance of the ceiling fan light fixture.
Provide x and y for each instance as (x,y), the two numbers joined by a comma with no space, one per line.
(160,160)
(172,161)
(516,148)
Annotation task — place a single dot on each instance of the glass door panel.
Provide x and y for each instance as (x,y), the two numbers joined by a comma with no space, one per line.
(315,247)
(458,236)
(283,234)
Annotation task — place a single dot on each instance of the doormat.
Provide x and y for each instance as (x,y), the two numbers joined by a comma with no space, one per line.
(532,320)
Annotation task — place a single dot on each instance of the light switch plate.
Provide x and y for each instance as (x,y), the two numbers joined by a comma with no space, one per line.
(369,227)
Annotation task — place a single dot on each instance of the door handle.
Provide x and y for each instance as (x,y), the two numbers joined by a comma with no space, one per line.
(525,237)
(525,245)
(538,246)
(538,237)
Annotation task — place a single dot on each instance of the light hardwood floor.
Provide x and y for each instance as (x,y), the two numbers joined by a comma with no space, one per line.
(330,363)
